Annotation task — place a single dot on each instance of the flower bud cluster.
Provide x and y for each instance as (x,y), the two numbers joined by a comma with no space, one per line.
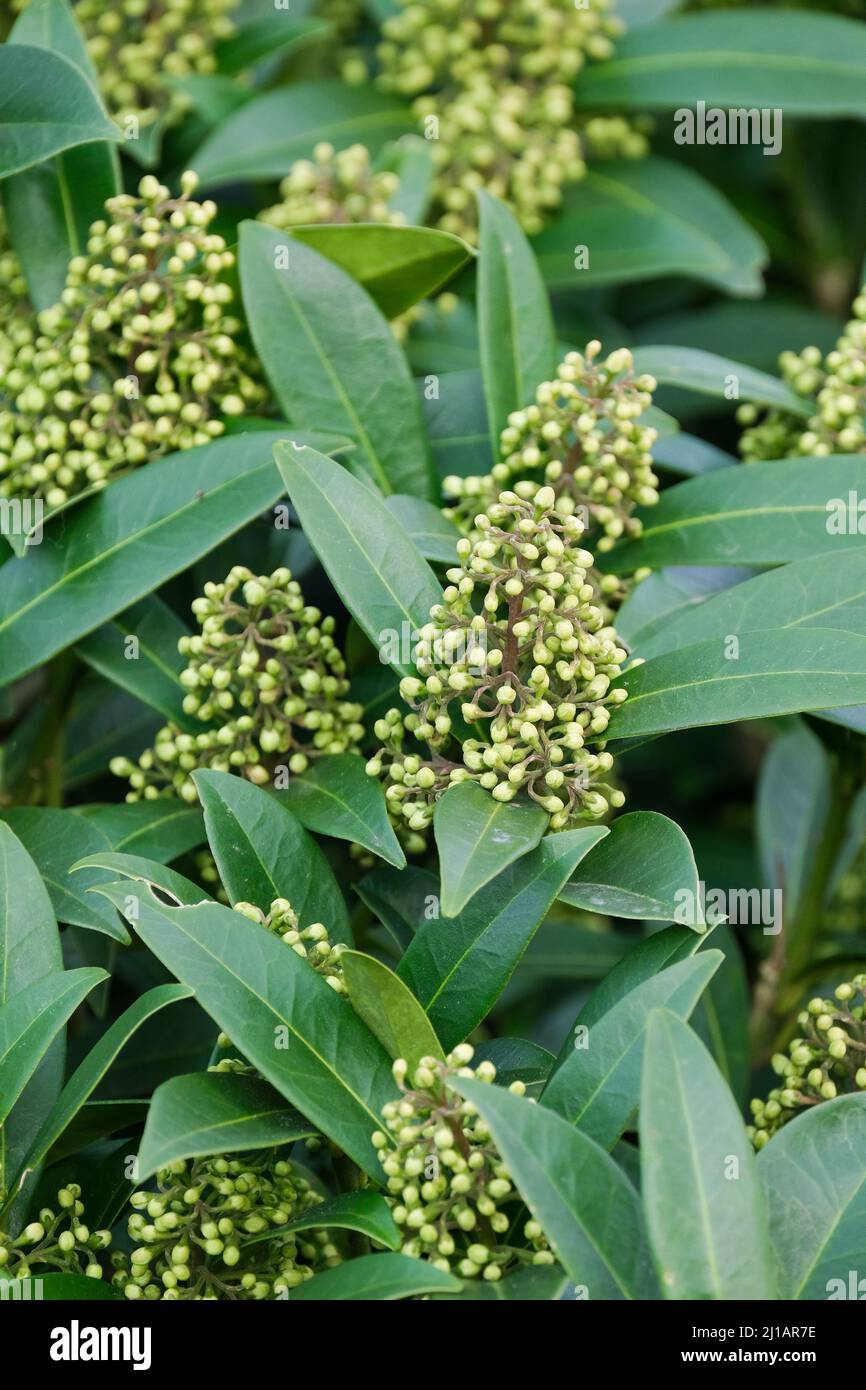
(311,943)
(493,81)
(447,1182)
(520,643)
(582,435)
(827,1059)
(139,46)
(59,1240)
(139,358)
(337,188)
(835,383)
(266,678)
(211,1230)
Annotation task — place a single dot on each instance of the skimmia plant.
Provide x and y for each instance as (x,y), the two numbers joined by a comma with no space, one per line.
(432,651)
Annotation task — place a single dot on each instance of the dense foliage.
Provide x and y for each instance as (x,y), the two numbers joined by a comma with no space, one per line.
(432,650)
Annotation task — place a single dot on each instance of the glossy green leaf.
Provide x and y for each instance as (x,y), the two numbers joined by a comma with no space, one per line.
(366,1212)
(515,325)
(95,1120)
(278,34)
(662,600)
(598,1085)
(263,852)
(29,950)
(642,870)
(143,870)
(389,1009)
(263,138)
(814,1173)
(760,514)
(283,1016)
(645,218)
(376,1278)
(477,837)
(433,535)
(56,840)
(587,1207)
(332,359)
(376,570)
(515,1059)
(126,541)
(794,797)
(822,591)
(215,1113)
(30,1021)
(336,797)
(705,1208)
(162,829)
(148,667)
(84,1080)
(806,64)
(397,266)
(458,969)
(712,375)
(46,105)
(781,672)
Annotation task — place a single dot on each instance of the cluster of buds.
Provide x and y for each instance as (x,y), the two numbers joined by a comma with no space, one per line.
(311,943)
(135,45)
(835,383)
(583,436)
(519,641)
(492,84)
(59,1241)
(335,188)
(17,318)
(447,1181)
(139,358)
(828,1059)
(211,1230)
(266,678)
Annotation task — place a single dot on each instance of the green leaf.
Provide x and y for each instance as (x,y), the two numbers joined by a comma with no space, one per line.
(515,325)
(794,797)
(162,829)
(721,1017)
(477,837)
(283,1016)
(46,105)
(366,1212)
(29,950)
(663,599)
(458,969)
(781,672)
(215,1113)
(336,797)
(332,359)
(400,899)
(705,1209)
(821,591)
(587,1207)
(377,1278)
(31,1020)
(68,1288)
(56,840)
(95,1120)
(376,570)
(124,542)
(411,159)
(759,514)
(264,138)
(515,1059)
(84,1081)
(814,1174)
(710,375)
(805,64)
(397,266)
(277,34)
(263,852)
(389,1009)
(434,536)
(150,669)
(640,871)
(528,1284)
(597,1087)
(646,218)
(144,871)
